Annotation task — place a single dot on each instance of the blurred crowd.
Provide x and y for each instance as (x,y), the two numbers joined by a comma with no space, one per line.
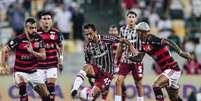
(178,20)
(68,16)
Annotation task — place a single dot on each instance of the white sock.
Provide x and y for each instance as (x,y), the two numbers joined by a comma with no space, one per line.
(117,98)
(79,80)
(140,98)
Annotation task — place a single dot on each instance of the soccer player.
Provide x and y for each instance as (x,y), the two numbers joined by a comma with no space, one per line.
(28,48)
(125,65)
(99,62)
(53,41)
(157,49)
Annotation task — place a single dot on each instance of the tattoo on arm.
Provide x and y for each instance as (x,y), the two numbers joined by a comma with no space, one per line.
(172,44)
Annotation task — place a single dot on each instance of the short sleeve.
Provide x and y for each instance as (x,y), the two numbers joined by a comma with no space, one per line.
(154,40)
(12,44)
(60,40)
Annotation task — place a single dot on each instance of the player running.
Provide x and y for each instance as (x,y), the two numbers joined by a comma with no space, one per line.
(28,48)
(53,42)
(157,49)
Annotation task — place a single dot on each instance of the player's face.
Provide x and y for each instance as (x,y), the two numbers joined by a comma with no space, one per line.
(31,28)
(113,31)
(89,34)
(46,21)
(131,19)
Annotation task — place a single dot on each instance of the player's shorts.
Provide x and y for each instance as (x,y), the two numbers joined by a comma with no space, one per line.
(136,69)
(102,80)
(31,78)
(48,73)
(173,77)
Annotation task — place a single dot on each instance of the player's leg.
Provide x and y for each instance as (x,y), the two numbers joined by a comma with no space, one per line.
(105,94)
(173,87)
(41,89)
(87,69)
(38,84)
(161,82)
(123,71)
(51,80)
(123,92)
(137,73)
(173,94)
(21,82)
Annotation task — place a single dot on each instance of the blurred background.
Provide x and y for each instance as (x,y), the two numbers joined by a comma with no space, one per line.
(177,20)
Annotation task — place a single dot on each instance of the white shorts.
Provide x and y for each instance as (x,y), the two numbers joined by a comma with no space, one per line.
(48,73)
(173,77)
(31,78)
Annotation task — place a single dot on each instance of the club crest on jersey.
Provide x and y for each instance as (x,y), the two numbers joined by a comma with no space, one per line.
(52,37)
(147,47)
(36,44)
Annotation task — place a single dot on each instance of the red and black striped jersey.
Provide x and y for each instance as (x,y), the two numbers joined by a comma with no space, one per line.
(100,54)
(25,61)
(156,48)
(52,40)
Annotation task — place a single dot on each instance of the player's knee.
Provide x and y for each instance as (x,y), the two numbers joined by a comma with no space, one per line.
(138,85)
(87,68)
(119,82)
(22,88)
(155,85)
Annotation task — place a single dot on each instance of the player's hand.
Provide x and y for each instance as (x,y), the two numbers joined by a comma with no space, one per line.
(61,64)
(29,48)
(186,55)
(4,69)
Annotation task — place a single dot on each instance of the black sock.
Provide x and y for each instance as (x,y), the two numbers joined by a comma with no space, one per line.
(23,92)
(158,94)
(51,89)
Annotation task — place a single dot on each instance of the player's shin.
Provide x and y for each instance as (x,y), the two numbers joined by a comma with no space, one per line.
(22,91)
(158,94)
(78,82)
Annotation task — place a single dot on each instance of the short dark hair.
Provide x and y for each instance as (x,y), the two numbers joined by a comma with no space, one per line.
(131,12)
(92,26)
(113,26)
(42,13)
(30,20)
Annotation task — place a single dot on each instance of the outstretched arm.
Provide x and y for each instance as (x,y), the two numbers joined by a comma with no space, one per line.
(4,57)
(182,53)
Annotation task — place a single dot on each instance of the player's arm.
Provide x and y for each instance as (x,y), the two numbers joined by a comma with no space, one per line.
(118,53)
(41,54)
(87,55)
(60,46)
(137,58)
(5,54)
(173,45)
